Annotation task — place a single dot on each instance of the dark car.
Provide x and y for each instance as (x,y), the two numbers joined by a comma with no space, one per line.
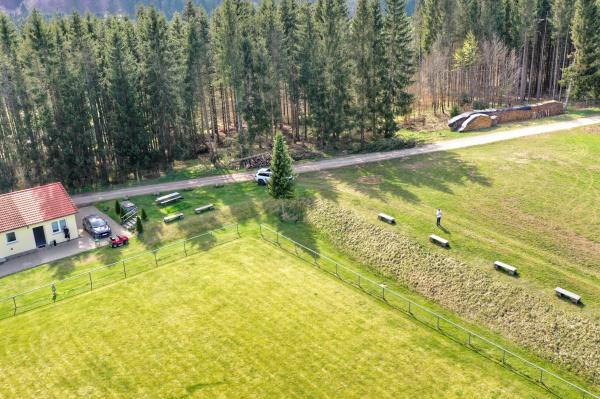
(96,226)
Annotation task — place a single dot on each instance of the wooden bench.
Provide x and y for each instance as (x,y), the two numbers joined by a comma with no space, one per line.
(562,293)
(167,199)
(386,218)
(439,240)
(204,208)
(505,267)
(172,218)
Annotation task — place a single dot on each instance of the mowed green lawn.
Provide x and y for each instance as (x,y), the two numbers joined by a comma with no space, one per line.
(531,202)
(242,320)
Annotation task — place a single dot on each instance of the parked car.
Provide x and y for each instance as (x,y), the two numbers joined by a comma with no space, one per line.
(263,176)
(96,226)
(119,241)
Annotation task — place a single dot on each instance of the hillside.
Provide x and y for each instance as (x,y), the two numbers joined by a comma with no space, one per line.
(21,8)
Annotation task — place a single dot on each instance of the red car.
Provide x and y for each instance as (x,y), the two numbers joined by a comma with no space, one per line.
(119,241)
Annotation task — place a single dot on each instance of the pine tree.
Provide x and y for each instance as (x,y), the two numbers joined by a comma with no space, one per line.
(430,11)
(332,109)
(508,31)
(400,59)
(37,50)
(362,65)
(144,215)
(382,117)
(281,184)
(290,59)
(585,71)
(8,180)
(254,87)
(124,117)
(466,55)
(270,33)
(309,64)
(117,208)
(157,83)
(139,226)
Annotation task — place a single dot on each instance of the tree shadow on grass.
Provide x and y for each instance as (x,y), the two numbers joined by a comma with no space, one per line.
(399,178)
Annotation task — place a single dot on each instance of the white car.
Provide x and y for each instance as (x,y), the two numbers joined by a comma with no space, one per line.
(263,176)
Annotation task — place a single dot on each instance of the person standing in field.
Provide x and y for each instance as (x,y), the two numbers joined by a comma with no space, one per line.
(438,215)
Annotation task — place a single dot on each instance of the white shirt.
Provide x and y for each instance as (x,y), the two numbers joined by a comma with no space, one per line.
(438,213)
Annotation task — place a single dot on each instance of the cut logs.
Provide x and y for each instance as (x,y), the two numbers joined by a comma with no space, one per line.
(482,119)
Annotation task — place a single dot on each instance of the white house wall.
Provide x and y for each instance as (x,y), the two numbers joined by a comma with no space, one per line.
(26,241)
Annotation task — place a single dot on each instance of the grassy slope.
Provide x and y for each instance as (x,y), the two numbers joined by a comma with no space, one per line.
(531,202)
(225,324)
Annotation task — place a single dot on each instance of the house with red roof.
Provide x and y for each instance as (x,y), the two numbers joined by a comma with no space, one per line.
(35,218)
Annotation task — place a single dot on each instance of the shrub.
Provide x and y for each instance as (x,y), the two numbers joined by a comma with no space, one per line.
(478,104)
(455,111)
(389,144)
(499,305)
(139,227)
(117,208)
(464,99)
(144,216)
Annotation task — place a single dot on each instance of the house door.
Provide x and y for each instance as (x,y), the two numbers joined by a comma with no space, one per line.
(40,236)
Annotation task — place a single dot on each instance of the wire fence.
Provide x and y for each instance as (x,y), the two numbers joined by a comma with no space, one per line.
(494,352)
(107,274)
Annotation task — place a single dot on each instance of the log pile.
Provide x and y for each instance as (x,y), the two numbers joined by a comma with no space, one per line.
(476,122)
(462,122)
(515,114)
(262,160)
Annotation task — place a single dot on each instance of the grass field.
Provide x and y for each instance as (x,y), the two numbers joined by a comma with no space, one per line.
(531,202)
(228,324)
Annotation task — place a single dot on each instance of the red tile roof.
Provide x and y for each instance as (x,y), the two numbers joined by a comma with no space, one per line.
(34,205)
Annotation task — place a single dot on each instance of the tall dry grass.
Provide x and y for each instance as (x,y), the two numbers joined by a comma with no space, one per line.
(568,339)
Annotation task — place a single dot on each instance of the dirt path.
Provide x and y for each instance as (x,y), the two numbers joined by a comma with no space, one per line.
(340,162)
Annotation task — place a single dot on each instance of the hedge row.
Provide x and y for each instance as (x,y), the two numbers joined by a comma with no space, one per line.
(570,340)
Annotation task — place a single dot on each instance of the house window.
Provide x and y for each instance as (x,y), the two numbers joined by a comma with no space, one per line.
(58,226)
(11,237)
